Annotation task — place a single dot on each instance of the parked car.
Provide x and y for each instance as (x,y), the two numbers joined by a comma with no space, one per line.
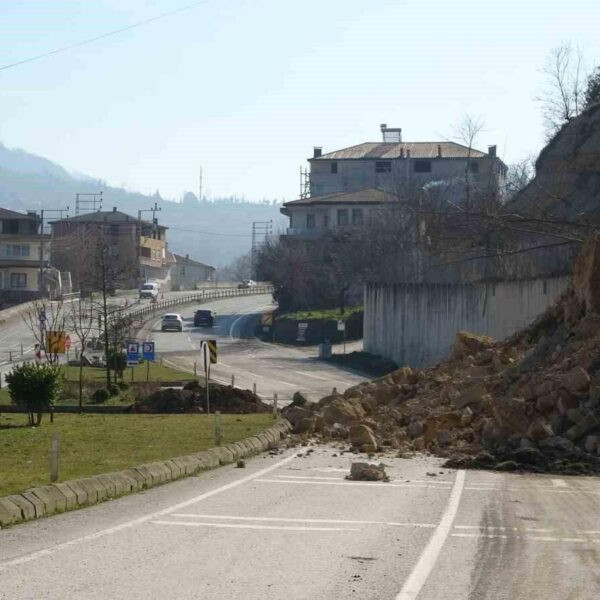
(204,318)
(171,321)
(247,283)
(149,290)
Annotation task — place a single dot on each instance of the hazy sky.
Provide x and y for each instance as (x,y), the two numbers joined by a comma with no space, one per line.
(245,88)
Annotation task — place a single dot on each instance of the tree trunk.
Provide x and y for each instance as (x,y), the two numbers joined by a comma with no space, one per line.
(80,384)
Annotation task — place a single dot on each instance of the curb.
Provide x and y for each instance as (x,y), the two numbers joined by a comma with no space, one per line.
(47,500)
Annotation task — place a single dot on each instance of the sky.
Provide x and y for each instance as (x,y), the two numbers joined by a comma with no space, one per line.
(246,88)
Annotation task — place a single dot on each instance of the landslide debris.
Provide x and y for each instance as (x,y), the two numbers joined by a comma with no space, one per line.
(530,402)
(360,471)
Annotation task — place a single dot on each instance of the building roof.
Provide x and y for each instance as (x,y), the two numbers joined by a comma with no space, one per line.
(367,196)
(104,216)
(392,150)
(6,213)
(180,259)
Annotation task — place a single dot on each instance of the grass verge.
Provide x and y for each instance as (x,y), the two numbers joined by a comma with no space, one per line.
(94,444)
(325,313)
(157,372)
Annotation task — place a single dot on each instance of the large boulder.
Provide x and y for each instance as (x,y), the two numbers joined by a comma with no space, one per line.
(343,410)
(576,380)
(467,343)
(362,437)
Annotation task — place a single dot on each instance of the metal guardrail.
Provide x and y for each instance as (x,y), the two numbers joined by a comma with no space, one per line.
(202,296)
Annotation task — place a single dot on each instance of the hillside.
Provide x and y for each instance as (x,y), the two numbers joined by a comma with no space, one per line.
(214,232)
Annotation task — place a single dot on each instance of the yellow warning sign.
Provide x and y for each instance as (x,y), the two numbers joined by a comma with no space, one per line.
(56,342)
(212,350)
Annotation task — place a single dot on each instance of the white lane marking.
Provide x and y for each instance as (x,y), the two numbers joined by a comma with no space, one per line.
(331,379)
(412,586)
(501,528)
(559,483)
(331,478)
(233,326)
(374,484)
(534,538)
(308,477)
(548,490)
(110,530)
(296,520)
(243,526)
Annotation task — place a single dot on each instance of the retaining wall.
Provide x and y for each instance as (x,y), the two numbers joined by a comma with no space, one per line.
(415,324)
(50,499)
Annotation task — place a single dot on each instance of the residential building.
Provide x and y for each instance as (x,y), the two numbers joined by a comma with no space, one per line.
(188,274)
(21,246)
(315,215)
(396,166)
(134,250)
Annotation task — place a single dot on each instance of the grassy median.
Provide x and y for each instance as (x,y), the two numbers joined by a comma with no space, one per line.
(94,444)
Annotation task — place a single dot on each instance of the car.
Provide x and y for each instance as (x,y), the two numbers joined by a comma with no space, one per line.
(171,321)
(204,318)
(247,283)
(149,290)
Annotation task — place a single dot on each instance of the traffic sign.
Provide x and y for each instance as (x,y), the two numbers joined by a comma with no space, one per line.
(341,325)
(133,351)
(302,327)
(56,342)
(211,346)
(148,350)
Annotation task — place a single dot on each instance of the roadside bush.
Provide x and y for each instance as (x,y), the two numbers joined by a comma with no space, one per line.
(122,385)
(35,386)
(113,389)
(100,396)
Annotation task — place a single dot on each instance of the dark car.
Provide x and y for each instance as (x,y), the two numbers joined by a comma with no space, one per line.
(204,318)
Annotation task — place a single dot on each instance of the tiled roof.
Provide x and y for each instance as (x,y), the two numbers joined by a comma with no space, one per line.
(367,196)
(6,213)
(178,258)
(389,150)
(104,216)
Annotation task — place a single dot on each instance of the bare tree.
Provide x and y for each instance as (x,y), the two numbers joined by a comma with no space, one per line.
(81,322)
(46,321)
(563,96)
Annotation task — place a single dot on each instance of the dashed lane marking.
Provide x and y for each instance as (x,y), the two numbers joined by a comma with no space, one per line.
(249,526)
(304,520)
(533,538)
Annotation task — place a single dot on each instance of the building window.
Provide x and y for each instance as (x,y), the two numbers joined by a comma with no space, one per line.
(383,166)
(422,166)
(325,220)
(357,216)
(145,252)
(114,230)
(310,221)
(18,280)
(333,168)
(342,216)
(10,226)
(14,250)
(474,167)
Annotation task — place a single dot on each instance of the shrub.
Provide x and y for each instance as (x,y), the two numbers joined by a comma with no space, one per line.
(113,389)
(35,386)
(100,396)
(117,361)
(122,385)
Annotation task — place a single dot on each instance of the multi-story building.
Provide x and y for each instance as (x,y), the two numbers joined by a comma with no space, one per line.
(188,274)
(343,186)
(133,250)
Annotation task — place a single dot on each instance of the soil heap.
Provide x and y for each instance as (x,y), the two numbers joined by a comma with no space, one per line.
(531,401)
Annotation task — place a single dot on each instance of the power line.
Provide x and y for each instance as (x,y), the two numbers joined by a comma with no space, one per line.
(104,35)
(245,235)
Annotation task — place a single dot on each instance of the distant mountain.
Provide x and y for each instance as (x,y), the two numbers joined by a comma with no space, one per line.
(215,232)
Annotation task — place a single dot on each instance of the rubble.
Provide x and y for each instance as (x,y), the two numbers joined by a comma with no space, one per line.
(367,472)
(529,402)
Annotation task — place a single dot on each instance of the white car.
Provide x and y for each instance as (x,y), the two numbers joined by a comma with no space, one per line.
(247,283)
(149,290)
(171,321)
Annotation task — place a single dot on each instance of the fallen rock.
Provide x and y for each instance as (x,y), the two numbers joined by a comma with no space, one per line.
(362,437)
(344,411)
(367,472)
(577,380)
(578,430)
(539,430)
(467,343)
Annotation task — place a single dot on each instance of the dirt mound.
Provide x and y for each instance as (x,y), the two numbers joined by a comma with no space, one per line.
(530,402)
(192,399)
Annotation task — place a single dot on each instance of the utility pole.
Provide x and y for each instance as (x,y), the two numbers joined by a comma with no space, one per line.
(200,185)
(41,276)
(260,232)
(153,210)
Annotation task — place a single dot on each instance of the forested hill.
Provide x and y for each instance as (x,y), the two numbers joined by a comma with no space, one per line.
(214,232)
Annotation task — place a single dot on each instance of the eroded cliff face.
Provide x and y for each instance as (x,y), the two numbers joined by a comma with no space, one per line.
(567,181)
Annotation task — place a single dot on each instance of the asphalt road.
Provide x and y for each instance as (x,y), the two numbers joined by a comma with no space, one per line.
(292,527)
(273,368)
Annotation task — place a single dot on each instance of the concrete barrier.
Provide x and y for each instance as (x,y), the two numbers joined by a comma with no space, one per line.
(47,500)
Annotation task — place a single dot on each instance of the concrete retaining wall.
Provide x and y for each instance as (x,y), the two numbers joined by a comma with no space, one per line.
(50,499)
(415,324)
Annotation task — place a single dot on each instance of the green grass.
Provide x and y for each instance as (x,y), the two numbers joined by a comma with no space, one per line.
(324,313)
(94,444)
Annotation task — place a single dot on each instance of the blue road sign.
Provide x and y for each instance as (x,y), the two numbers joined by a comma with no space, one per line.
(148,350)
(133,351)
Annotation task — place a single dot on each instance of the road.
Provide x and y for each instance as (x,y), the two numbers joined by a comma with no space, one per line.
(275,369)
(292,527)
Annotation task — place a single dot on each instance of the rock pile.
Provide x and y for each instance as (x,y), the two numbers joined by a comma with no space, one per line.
(531,401)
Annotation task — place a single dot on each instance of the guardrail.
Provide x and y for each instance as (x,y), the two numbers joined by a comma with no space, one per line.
(202,296)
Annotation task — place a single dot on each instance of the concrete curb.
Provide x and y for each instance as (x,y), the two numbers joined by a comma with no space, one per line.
(47,500)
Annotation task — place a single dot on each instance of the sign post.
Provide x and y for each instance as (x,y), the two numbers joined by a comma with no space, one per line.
(209,356)
(148,349)
(341,326)
(133,353)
